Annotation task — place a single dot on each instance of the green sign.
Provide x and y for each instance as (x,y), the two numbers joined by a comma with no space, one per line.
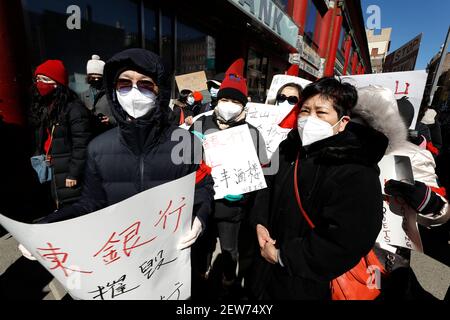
(272,17)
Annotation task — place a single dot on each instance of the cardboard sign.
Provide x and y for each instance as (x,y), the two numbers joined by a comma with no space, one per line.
(192,81)
(125,251)
(408,86)
(399,227)
(235,165)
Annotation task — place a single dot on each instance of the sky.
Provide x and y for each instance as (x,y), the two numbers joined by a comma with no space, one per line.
(408,18)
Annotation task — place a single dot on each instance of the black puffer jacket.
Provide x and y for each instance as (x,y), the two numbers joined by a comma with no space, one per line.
(340,190)
(136,155)
(68,150)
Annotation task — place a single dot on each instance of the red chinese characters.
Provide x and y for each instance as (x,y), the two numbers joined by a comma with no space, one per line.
(59,259)
(129,239)
(168,212)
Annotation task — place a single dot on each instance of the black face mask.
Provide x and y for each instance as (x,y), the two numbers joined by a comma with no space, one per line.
(96,83)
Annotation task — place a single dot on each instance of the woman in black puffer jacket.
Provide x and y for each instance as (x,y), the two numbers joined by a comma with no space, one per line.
(61,127)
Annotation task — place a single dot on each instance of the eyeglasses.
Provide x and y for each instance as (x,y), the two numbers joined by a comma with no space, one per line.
(146,87)
(291,99)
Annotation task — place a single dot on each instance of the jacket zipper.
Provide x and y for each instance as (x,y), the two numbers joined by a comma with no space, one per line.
(142,172)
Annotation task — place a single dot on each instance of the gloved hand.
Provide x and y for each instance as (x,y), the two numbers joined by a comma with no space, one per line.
(417,196)
(192,236)
(26,253)
(234,198)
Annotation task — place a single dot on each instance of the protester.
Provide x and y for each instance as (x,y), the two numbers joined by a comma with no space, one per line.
(229,213)
(136,156)
(61,131)
(330,166)
(181,108)
(378,108)
(95,99)
(213,88)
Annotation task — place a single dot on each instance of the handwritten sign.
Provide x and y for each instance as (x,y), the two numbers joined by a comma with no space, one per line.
(235,166)
(266,119)
(125,251)
(192,81)
(399,226)
(405,85)
(279,81)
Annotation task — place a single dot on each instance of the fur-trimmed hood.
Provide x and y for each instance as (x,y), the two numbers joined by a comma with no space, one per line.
(377,108)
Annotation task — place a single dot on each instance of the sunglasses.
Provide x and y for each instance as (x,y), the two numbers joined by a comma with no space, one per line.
(291,99)
(146,87)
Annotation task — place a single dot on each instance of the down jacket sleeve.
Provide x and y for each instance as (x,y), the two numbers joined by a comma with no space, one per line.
(351,221)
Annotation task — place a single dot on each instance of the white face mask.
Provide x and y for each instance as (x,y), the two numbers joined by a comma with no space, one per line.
(135,103)
(312,129)
(228,110)
(190,101)
(214,92)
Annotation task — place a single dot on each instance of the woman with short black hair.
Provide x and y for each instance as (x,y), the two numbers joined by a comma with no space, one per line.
(330,166)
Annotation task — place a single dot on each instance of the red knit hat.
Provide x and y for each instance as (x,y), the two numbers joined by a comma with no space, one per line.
(234,86)
(293,70)
(55,70)
(197,96)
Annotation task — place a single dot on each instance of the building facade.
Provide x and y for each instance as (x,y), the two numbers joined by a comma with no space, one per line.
(324,37)
(379,45)
(442,95)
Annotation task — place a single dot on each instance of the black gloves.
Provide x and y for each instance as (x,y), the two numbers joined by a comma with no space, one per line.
(417,196)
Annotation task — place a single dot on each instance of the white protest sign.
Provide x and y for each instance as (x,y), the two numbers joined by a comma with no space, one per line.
(235,166)
(186,127)
(399,226)
(125,251)
(192,81)
(266,119)
(409,85)
(279,81)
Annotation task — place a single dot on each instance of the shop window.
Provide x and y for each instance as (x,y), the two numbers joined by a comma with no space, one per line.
(151,29)
(107,27)
(167,42)
(342,38)
(257,66)
(195,50)
(310,25)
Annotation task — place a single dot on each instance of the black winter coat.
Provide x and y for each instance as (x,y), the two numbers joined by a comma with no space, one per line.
(136,155)
(68,150)
(340,190)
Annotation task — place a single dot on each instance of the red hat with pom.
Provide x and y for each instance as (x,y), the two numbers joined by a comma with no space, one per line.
(234,86)
(55,70)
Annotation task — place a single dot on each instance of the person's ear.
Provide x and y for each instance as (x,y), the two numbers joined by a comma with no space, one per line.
(345,120)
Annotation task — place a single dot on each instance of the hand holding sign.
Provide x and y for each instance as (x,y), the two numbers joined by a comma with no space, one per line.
(192,236)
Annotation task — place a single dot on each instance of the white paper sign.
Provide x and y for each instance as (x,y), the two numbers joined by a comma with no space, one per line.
(126,251)
(399,226)
(266,119)
(410,84)
(186,127)
(279,81)
(235,166)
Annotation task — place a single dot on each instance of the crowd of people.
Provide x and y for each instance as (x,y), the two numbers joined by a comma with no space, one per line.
(321,212)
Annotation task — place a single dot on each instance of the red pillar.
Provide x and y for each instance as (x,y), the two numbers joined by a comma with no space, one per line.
(348,48)
(14,69)
(331,59)
(297,10)
(325,31)
(354,62)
